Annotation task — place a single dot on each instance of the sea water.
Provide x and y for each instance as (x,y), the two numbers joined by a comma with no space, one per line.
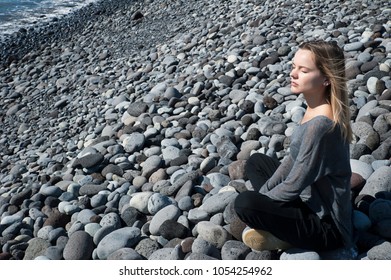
(16,14)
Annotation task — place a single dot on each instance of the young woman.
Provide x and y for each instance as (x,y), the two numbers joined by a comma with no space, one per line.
(304,202)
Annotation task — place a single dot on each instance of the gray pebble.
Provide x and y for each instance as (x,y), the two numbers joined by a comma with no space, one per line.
(214,234)
(234,250)
(170,212)
(380,180)
(125,254)
(120,238)
(299,254)
(79,246)
(380,252)
(218,202)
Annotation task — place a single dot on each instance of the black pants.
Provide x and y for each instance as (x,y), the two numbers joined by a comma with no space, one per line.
(291,221)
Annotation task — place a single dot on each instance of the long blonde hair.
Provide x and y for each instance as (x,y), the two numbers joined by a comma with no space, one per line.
(330,60)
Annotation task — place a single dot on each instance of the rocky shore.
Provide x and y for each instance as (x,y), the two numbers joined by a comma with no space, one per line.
(125,127)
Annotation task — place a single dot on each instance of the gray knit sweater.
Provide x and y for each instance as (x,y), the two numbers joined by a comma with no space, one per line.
(318,171)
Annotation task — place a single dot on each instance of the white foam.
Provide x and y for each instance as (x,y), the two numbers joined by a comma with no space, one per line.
(44,11)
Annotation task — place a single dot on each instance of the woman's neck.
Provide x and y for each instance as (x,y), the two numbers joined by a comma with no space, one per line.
(317,105)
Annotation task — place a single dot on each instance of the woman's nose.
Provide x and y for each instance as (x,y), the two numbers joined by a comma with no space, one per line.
(293,73)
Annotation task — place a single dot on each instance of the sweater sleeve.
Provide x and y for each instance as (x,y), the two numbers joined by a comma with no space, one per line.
(306,168)
(279,175)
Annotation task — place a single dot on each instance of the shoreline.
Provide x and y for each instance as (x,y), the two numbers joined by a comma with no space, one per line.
(17,44)
(126,139)
(149,25)
(16,16)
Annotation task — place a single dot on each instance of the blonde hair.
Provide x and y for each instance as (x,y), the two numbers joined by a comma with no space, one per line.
(330,60)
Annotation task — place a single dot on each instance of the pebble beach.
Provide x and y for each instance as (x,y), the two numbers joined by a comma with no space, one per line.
(125,126)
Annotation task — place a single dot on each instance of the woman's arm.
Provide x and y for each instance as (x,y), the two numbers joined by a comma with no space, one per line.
(279,175)
(308,166)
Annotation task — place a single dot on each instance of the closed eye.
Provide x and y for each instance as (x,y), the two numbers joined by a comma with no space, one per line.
(303,69)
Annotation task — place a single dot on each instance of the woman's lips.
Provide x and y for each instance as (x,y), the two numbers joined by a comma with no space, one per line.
(293,84)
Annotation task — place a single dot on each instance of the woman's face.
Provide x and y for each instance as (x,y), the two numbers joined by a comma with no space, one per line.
(305,76)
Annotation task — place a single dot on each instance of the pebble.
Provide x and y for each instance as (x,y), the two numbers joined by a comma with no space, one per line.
(379,210)
(299,254)
(212,233)
(378,181)
(116,240)
(79,246)
(380,252)
(218,202)
(125,254)
(234,250)
(138,151)
(170,212)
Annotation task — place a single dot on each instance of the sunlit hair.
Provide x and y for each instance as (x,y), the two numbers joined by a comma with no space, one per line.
(330,60)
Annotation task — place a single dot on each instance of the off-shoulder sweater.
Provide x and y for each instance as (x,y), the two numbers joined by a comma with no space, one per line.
(318,171)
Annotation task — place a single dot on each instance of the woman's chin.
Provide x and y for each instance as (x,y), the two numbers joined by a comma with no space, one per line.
(294,90)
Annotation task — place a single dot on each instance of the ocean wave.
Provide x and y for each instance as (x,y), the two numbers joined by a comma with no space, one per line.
(16,14)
